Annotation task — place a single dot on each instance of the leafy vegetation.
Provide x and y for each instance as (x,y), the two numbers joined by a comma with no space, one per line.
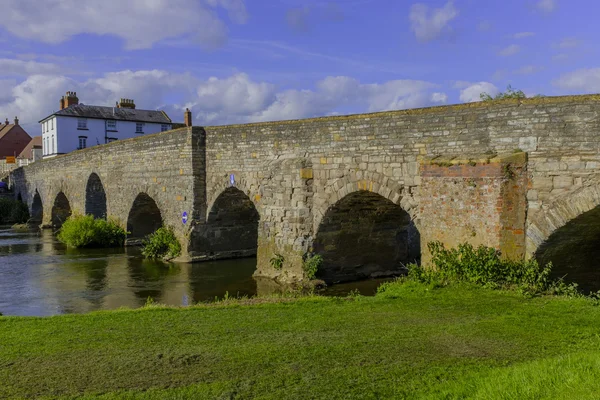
(277,261)
(161,244)
(311,265)
(409,341)
(13,211)
(85,231)
(510,93)
(484,266)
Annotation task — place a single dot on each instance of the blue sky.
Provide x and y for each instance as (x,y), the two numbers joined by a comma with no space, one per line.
(234,61)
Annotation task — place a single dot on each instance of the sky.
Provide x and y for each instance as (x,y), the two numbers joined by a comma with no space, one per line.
(238,61)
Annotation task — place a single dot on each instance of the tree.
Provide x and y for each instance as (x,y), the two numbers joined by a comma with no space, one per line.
(509,94)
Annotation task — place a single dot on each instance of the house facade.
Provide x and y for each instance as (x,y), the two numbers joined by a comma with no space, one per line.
(77,126)
(13,139)
(31,153)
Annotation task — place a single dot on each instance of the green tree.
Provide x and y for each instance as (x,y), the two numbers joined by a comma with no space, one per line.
(510,93)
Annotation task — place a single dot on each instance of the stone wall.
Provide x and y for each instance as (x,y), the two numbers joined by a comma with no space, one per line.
(382,153)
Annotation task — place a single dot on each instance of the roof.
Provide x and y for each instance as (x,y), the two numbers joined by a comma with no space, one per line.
(35,142)
(115,113)
(4,129)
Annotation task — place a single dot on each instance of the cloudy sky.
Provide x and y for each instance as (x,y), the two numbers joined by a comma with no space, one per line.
(234,61)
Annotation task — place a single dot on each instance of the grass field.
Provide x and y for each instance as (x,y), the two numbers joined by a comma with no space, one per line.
(409,342)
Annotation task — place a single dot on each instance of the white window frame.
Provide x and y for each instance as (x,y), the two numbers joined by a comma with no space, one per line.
(139,127)
(164,127)
(52,123)
(82,123)
(110,122)
(82,143)
(52,141)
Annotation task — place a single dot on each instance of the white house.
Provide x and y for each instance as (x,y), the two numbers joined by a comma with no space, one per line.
(77,126)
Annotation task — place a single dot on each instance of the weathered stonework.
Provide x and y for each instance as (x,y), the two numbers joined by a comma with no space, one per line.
(295,172)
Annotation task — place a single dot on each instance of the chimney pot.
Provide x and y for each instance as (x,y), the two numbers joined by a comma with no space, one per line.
(16,121)
(6,122)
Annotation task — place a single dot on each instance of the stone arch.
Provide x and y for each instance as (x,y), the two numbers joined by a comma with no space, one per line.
(144,217)
(95,197)
(365,235)
(61,210)
(248,186)
(231,228)
(37,209)
(362,181)
(568,234)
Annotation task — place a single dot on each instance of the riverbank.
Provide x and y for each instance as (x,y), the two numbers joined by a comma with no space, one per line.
(410,342)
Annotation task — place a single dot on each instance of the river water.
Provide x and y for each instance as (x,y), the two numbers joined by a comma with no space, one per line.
(39,276)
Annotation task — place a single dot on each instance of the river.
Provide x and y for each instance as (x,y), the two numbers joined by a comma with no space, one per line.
(39,276)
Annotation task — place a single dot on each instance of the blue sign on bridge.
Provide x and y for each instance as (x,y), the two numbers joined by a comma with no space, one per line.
(184,217)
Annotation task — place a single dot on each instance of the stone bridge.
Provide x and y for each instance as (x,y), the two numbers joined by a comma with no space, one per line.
(367,192)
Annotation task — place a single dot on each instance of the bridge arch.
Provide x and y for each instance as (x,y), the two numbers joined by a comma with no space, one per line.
(249,187)
(61,210)
(144,216)
(567,233)
(231,228)
(37,209)
(95,197)
(365,231)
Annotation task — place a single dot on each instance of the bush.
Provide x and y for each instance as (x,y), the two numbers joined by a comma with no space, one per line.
(13,211)
(484,266)
(85,231)
(161,244)
(277,261)
(311,265)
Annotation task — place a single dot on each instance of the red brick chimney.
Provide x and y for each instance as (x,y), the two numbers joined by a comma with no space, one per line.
(70,99)
(16,121)
(126,103)
(187,117)
(62,103)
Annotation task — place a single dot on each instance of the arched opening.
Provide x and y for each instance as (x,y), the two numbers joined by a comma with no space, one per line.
(19,197)
(365,235)
(231,228)
(144,217)
(95,197)
(37,210)
(61,210)
(574,250)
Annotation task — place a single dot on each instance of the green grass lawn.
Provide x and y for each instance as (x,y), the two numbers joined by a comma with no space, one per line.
(411,342)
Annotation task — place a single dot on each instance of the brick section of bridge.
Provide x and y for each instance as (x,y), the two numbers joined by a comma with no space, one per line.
(295,172)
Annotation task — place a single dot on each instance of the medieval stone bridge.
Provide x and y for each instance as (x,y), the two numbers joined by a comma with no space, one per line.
(366,191)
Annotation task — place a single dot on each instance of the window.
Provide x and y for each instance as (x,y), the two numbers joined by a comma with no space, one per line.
(52,123)
(82,142)
(43,127)
(81,123)
(111,125)
(52,144)
(164,127)
(139,127)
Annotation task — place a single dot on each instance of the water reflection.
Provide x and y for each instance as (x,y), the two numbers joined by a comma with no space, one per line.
(40,276)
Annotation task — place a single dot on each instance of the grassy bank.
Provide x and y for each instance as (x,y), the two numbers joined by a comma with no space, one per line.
(409,342)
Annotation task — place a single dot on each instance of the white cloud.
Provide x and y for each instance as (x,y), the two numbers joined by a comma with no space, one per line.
(12,67)
(140,23)
(521,35)
(473,93)
(546,6)
(528,69)
(567,43)
(582,80)
(429,24)
(510,50)
(234,99)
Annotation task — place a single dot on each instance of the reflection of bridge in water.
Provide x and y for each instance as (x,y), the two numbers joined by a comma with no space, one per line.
(367,192)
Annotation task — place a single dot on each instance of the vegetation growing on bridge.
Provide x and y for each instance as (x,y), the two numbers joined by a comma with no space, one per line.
(87,231)
(161,244)
(13,211)
(510,93)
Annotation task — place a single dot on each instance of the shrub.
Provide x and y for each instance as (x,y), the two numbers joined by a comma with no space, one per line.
(161,244)
(277,261)
(13,211)
(311,265)
(484,266)
(85,231)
